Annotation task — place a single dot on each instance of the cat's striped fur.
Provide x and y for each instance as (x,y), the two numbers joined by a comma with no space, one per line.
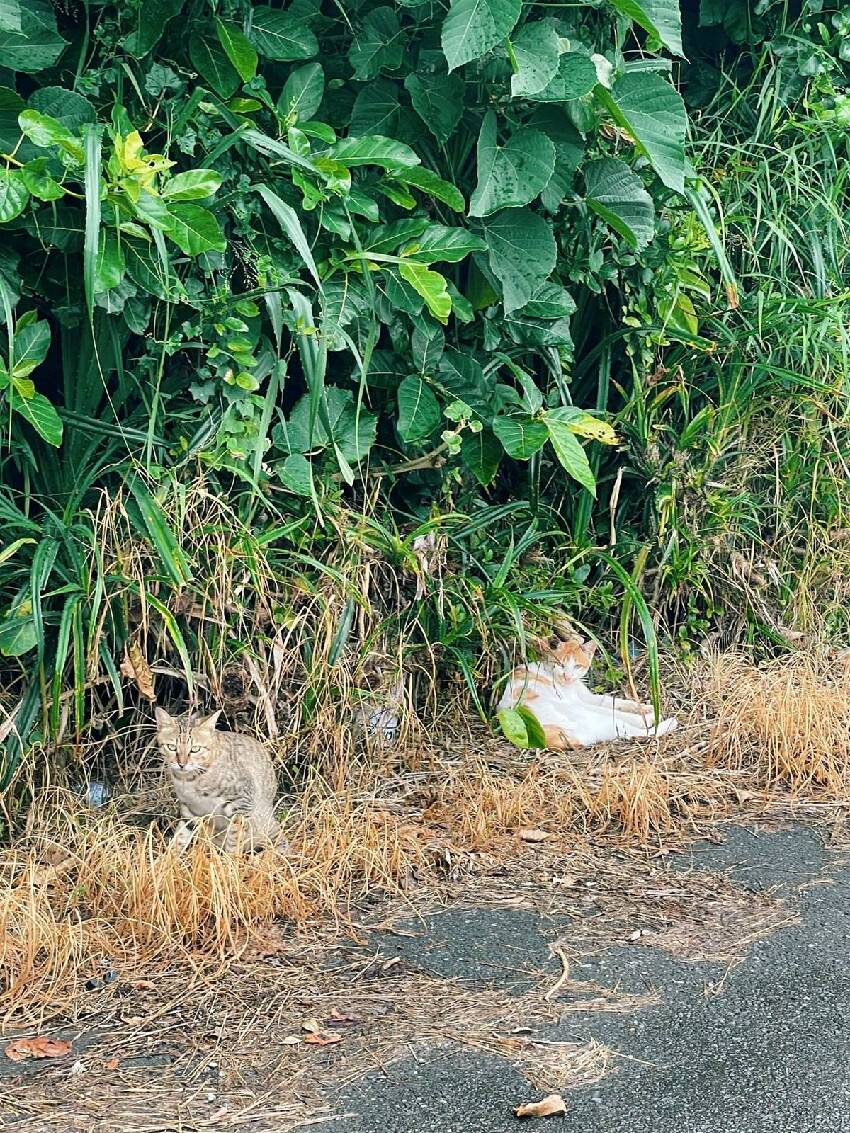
(225,778)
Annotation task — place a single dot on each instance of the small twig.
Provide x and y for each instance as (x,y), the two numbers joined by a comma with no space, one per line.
(564,976)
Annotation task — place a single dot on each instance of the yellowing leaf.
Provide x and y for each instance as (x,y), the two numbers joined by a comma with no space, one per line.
(594,429)
(431,286)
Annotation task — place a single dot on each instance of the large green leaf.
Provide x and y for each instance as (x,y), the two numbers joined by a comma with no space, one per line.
(440,244)
(193,185)
(110,266)
(537,51)
(521,435)
(67,107)
(431,286)
(18,634)
(373,150)
(32,342)
(474,27)
(616,193)
(569,150)
(46,131)
(378,43)
(13,194)
(352,431)
(296,474)
(513,174)
(569,452)
(481,453)
(238,50)
(428,182)
(36,177)
(150,18)
(463,376)
(281,35)
(376,109)
(418,410)
(194,229)
(302,93)
(37,45)
(38,411)
(653,112)
(575,77)
(522,253)
(661,18)
(438,100)
(10,15)
(211,62)
(521,727)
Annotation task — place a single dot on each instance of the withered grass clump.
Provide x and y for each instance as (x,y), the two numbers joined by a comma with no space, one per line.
(635,797)
(784,723)
(90,894)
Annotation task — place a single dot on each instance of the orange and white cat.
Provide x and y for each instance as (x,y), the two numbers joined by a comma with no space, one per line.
(572,716)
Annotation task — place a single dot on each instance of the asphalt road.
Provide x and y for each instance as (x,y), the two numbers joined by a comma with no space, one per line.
(762,1046)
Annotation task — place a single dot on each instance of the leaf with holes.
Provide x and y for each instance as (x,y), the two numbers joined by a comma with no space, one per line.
(654,114)
(418,410)
(513,174)
(522,253)
(616,194)
(474,27)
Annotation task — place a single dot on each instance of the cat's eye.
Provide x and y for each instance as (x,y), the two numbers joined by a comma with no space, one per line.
(171,747)
(194,749)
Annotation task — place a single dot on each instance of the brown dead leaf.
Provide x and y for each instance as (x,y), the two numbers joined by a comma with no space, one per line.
(39,1047)
(322,1038)
(552,1105)
(291,1040)
(311,1026)
(135,667)
(112,1064)
(533,835)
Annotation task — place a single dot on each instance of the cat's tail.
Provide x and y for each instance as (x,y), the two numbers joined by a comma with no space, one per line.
(664,727)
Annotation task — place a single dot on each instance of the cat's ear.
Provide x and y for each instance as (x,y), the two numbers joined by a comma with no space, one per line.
(589,648)
(208,723)
(163,720)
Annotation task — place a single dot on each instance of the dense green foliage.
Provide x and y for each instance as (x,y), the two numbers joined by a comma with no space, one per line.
(265,270)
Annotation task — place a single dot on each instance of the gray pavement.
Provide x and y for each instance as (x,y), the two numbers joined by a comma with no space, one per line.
(763,1045)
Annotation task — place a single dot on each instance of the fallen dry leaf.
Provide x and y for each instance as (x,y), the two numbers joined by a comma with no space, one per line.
(112,1064)
(137,669)
(532,835)
(551,1106)
(291,1040)
(39,1047)
(322,1039)
(311,1026)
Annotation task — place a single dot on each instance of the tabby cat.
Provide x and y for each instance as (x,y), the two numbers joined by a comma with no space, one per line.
(570,714)
(225,778)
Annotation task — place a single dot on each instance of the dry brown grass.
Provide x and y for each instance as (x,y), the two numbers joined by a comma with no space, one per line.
(786,723)
(86,893)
